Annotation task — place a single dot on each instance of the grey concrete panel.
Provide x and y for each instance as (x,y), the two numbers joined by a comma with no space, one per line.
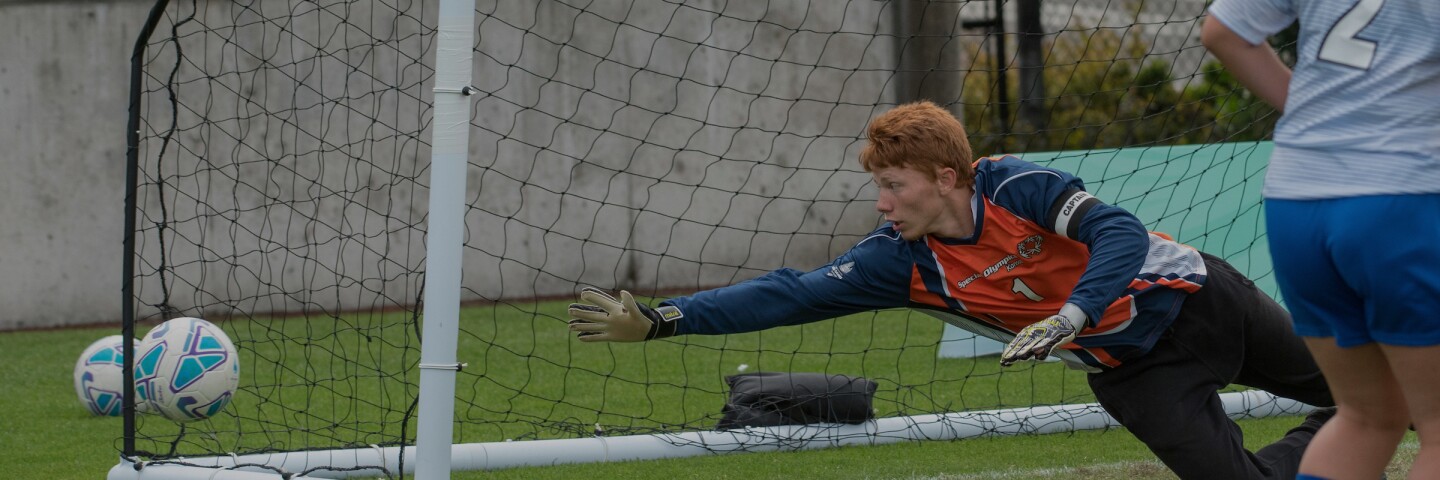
(616,143)
(63,78)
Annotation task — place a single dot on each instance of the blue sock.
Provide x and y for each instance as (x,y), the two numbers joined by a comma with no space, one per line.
(1308,477)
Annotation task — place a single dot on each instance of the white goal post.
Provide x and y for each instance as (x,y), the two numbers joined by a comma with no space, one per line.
(445,239)
(387,204)
(539,453)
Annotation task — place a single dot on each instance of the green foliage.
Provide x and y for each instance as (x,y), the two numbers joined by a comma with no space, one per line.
(1105,90)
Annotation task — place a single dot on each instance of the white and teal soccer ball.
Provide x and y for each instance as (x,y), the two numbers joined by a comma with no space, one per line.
(100,375)
(186,369)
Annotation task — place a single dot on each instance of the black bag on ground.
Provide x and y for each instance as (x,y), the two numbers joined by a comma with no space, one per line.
(774,398)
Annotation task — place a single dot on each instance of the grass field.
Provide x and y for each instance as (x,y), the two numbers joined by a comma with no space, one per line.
(516,386)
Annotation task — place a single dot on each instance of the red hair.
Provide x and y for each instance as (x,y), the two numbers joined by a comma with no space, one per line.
(921,136)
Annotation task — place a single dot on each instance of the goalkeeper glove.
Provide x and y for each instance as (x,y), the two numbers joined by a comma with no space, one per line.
(599,317)
(1041,338)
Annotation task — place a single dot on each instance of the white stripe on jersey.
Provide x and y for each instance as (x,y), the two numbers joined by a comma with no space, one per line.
(945,282)
(1134,312)
(1168,257)
(996,193)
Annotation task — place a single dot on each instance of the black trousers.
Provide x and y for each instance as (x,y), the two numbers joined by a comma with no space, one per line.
(1229,332)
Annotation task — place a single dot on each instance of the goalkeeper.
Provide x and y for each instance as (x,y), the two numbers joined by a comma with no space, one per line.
(1021,253)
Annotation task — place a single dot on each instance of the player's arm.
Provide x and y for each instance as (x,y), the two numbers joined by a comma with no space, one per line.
(1117,241)
(1235,32)
(1256,66)
(870,276)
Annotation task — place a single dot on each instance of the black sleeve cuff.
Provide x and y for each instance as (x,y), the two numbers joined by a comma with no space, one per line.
(663,320)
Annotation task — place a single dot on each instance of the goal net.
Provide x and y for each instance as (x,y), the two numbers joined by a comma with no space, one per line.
(281,167)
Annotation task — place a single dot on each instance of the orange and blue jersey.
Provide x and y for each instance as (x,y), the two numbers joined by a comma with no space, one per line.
(1040,241)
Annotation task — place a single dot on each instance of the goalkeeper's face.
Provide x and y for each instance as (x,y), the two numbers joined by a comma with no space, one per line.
(917,204)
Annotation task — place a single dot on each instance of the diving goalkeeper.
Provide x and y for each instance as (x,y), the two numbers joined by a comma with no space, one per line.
(1020,253)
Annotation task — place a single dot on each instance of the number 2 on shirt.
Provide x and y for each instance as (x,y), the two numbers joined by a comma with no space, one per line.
(1342,45)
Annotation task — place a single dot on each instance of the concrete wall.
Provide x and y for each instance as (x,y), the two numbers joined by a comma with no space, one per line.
(729,154)
(630,144)
(64,74)
(639,145)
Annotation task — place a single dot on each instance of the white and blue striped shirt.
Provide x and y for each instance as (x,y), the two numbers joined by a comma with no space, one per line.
(1362,116)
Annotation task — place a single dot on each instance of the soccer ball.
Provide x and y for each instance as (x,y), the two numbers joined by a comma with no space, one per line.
(186,369)
(99,373)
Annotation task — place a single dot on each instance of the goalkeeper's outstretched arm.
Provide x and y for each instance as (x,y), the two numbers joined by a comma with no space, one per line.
(872,275)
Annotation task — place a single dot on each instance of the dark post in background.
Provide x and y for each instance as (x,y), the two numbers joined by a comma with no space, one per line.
(929,53)
(1030,62)
(929,58)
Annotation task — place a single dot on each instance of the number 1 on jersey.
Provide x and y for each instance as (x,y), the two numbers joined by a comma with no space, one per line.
(1021,288)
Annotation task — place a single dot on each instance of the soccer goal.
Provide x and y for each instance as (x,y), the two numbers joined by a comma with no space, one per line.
(388,205)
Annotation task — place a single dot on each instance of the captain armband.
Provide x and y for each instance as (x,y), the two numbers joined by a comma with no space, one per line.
(1066,212)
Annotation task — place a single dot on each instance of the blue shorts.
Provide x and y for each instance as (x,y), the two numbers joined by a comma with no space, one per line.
(1360,269)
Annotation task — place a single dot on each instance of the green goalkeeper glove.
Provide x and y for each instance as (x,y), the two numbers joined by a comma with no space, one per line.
(599,317)
(1041,338)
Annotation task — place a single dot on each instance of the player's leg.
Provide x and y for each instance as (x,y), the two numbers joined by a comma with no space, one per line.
(1270,357)
(1274,358)
(1335,260)
(1414,367)
(1167,398)
(1398,267)
(1360,440)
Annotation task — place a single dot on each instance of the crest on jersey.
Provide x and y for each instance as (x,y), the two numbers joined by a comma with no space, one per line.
(1030,246)
(838,271)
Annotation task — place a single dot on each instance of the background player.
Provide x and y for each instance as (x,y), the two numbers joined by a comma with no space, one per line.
(1352,201)
(1021,253)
